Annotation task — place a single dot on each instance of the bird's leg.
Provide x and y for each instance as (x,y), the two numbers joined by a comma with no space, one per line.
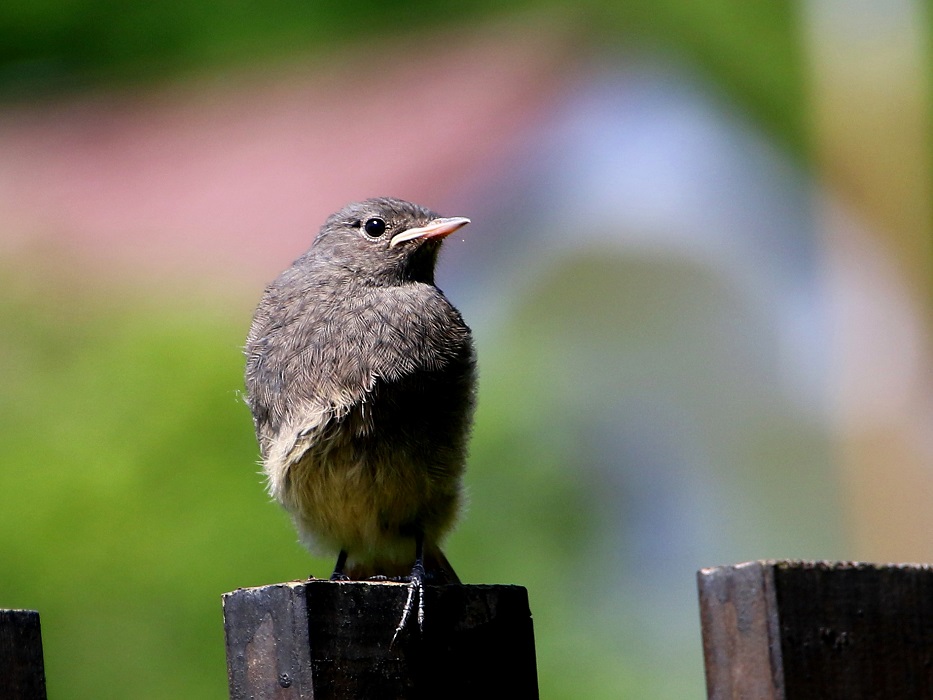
(418,576)
(415,586)
(338,574)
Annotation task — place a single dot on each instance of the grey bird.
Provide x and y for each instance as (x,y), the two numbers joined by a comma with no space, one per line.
(360,376)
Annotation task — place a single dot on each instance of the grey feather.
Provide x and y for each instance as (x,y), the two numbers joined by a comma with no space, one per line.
(360,376)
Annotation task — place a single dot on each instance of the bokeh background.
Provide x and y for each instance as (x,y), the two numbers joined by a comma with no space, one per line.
(699,276)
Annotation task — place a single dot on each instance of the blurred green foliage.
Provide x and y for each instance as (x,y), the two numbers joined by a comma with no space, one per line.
(130,497)
(55,44)
(751,49)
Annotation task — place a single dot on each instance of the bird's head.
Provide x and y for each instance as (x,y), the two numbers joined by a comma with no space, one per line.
(385,239)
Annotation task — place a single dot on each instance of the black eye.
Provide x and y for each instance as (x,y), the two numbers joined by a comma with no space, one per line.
(374,227)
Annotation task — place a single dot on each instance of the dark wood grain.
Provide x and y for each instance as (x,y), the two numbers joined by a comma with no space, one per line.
(786,630)
(22,671)
(324,639)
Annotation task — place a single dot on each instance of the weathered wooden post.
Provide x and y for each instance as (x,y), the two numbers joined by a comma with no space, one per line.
(790,630)
(22,671)
(327,639)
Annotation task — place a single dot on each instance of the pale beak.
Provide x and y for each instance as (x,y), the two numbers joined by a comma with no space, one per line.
(436,229)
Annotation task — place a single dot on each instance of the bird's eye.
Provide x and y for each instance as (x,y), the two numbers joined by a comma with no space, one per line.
(374,227)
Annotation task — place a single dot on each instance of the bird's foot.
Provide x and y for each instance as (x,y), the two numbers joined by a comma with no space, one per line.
(378,577)
(338,574)
(415,588)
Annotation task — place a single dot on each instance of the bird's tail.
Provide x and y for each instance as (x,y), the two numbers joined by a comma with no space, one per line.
(436,567)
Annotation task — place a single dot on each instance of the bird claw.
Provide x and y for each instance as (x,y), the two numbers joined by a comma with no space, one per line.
(415,585)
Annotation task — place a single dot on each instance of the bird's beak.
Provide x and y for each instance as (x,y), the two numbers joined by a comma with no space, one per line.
(436,229)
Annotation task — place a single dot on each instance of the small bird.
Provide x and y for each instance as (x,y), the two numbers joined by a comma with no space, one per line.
(360,376)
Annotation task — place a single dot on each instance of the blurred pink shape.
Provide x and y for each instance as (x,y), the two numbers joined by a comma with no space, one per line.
(236,175)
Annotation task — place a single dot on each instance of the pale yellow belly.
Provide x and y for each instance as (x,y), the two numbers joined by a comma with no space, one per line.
(370,508)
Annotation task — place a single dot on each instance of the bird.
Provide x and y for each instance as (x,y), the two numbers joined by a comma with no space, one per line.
(361,380)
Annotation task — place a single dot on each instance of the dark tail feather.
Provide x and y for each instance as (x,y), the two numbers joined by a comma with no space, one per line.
(436,567)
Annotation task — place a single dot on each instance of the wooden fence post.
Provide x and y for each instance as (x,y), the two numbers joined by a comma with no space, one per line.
(786,630)
(327,639)
(22,672)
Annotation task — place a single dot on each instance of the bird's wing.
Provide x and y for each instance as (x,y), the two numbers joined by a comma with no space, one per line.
(313,365)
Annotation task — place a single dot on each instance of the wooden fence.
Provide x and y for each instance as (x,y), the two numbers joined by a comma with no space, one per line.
(22,672)
(778,630)
(772,630)
(323,639)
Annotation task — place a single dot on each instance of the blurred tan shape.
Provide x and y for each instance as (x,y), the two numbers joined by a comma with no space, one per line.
(868,63)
